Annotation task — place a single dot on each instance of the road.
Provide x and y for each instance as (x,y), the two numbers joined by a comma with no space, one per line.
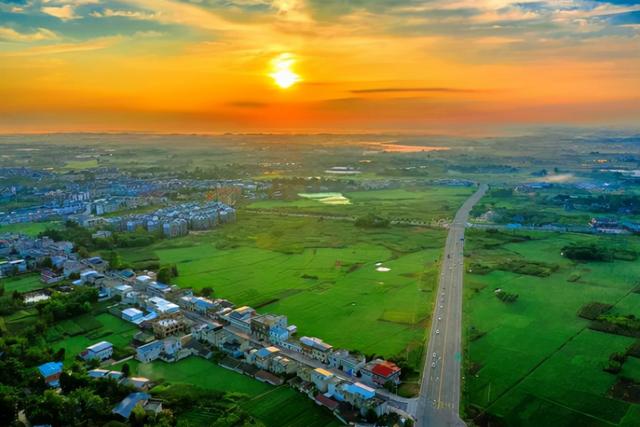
(439,399)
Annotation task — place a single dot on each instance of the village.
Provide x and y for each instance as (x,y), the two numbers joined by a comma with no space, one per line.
(174,324)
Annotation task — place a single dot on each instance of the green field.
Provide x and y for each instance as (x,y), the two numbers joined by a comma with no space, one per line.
(273,406)
(22,283)
(89,329)
(321,274)
(28,228)
(423,204)
(534,362)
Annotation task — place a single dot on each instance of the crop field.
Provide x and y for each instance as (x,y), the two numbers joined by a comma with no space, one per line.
(22,283)
(320,273)
(74,335)
(534,361)
(274,406)
(28,228)
(285,407)
(423,204)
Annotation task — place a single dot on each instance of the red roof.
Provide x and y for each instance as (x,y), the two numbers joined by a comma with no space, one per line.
(329,403)
(385,369)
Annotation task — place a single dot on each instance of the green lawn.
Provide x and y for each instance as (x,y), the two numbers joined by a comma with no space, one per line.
(537,362)
(28,228)
(22,283)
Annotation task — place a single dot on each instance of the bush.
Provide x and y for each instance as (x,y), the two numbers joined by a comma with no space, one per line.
(593,310)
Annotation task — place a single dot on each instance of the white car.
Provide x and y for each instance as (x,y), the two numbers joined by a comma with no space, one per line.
(441,306)
(433,365)
(439,317)
(435,355)
(437,331)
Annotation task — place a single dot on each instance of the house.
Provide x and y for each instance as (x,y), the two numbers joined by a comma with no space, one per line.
(162,306)
(96,263)
(263,356)
(212,333)
(278,334)
(267,377)
(378,372)
(125,407)
(166,327)
(132,315)
(320,378)
(104,373)
(121,290)
(262,325)
(149,352)
(72,267)
(99,351)
(316,349)
(140,383)
(241,318)
(283,365)
(51,371)
(346,362)
(328,402)
(48,276)
(198,304)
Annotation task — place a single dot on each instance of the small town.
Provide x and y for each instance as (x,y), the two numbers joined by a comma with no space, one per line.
(174,324)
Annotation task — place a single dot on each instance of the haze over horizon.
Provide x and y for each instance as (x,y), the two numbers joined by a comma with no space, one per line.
(273,65)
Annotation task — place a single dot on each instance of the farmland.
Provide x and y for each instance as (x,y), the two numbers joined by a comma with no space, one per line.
(75,334)
(422,204)
(533,361)
(273,406)
(22,283)
(320,273)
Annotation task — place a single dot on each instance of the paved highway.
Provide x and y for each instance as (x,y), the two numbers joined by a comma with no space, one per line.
(439,399)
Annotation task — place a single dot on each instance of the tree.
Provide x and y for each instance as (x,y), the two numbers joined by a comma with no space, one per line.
(46,263)
(165,275)
(126,370)
(8,405)
(83,252)
(206,291)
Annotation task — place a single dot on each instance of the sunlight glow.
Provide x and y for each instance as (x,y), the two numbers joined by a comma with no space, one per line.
(282,74)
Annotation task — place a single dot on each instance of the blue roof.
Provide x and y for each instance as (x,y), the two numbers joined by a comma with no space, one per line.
(360,389)
(50,368)
(127,404)
(150,347)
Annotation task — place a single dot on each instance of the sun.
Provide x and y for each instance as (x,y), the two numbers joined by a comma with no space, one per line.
(282,74)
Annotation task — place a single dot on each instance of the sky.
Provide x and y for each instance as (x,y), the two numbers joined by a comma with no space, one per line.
(316,65)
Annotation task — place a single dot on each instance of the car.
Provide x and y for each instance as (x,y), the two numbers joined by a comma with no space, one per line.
(435,355)
(441,306)
(437,331)
(439,317)
(433,365)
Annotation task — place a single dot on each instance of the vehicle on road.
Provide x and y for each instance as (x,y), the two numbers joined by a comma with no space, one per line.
(433,365)
(437,331)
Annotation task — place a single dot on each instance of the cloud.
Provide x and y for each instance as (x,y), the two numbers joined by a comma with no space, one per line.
(132,14)
(413,89)
(9,34)
(88,45)
(65,12)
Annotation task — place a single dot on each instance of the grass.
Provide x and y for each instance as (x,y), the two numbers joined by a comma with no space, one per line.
(322,274)
(538,363)
(93,329)
(285,407)
(29,228)
(423,204)
(273,406)
(22,283)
